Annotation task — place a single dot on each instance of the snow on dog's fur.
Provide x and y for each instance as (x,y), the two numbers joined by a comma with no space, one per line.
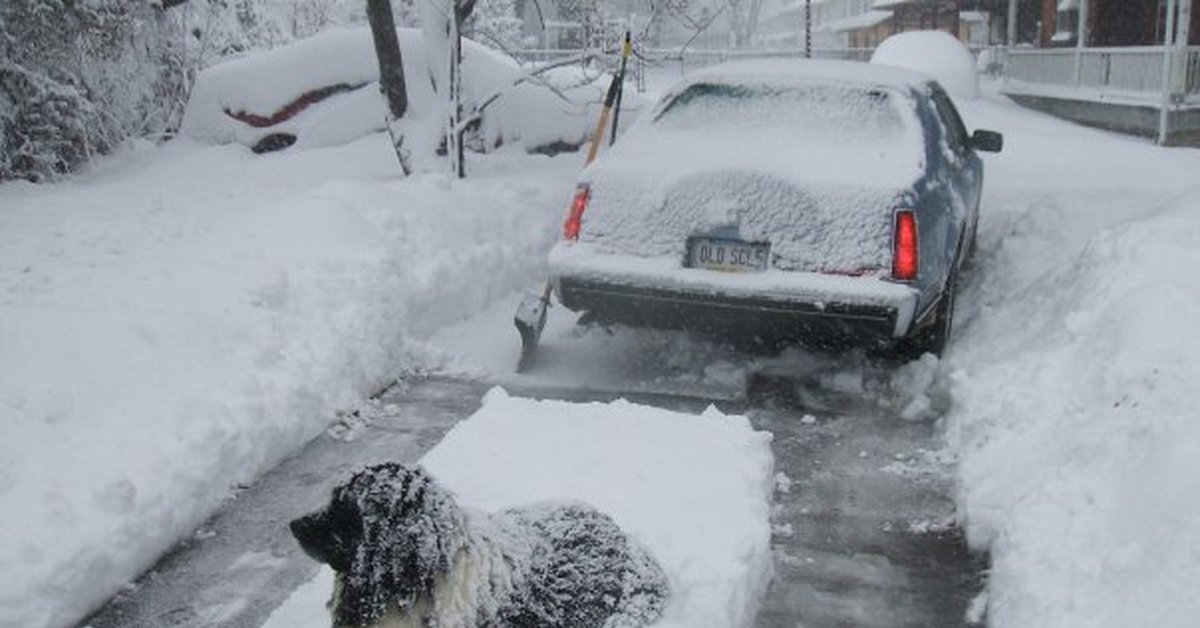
(406,555)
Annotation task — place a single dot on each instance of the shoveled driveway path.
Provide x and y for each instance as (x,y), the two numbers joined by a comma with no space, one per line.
(862,531)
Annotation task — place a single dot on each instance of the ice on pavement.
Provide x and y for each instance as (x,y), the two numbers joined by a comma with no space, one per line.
(695,489)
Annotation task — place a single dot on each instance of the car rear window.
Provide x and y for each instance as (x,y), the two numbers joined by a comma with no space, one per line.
(828,111)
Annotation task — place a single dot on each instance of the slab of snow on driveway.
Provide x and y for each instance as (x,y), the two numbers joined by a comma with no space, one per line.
(695,489)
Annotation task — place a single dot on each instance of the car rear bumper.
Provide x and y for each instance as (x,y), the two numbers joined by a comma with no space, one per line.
(655,292)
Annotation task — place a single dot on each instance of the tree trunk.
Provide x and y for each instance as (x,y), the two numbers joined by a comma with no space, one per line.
(391,73)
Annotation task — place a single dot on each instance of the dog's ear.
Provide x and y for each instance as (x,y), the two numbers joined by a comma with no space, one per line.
(326,540)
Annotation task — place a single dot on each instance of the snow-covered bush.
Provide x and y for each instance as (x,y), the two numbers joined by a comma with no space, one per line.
(77,78)
(495,23)
(935,53)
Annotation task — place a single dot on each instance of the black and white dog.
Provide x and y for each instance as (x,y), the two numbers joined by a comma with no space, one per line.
(406,556)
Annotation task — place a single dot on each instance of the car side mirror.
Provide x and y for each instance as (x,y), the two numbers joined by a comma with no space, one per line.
(987,141)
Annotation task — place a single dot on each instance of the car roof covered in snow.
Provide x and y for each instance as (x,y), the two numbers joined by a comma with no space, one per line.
(786,70)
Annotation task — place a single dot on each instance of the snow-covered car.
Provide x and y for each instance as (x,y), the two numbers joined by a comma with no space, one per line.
(827,202)
(324,91)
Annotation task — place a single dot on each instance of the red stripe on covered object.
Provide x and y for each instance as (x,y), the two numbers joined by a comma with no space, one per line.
(290,110)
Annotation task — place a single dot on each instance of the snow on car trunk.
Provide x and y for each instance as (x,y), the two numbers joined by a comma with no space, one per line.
(813,168)
(694,489)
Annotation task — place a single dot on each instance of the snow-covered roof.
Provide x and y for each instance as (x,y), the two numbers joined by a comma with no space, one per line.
(855,22)
(809,69)
(888,4)
(1067,5)
(974,16)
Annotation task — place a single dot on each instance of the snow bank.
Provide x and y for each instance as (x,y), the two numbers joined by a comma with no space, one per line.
(1074,377)
(695,489)
(1081,483)
(174,323)
(262,84)
(935,53)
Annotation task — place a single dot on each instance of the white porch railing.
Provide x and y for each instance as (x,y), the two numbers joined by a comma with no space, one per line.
(1192,88)
(1124,72)
(699,57)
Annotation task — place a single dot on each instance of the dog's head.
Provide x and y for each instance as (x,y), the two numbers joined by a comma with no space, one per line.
(389,532)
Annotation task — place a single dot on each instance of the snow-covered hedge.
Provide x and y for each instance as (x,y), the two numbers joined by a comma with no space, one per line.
(77,78)
(935,53)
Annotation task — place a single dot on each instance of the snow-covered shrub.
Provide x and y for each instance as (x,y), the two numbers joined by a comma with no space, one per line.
(935,53)
(45,124)
(495,23)
(77,78)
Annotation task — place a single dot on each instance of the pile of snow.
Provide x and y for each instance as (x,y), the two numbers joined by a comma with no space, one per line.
(695,490)
(176,322)
(528,112)
(935,53)
(1073,379)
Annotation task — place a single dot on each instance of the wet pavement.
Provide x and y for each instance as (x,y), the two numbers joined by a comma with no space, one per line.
(862,522)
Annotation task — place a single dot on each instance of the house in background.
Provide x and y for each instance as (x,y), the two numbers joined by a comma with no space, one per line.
(866,23)
(1124,65)
(1110,23)
(856,23)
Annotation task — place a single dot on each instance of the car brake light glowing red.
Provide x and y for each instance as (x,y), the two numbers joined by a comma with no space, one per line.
(575,214)
(905,254)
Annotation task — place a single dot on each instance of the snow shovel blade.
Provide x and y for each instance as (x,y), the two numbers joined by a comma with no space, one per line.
(530,319)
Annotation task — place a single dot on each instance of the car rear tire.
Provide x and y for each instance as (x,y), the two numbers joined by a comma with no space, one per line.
(933,337)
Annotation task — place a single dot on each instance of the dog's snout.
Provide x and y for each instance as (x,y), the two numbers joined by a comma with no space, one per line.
(320,541)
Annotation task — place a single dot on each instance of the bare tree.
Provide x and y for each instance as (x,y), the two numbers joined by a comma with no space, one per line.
(391,74)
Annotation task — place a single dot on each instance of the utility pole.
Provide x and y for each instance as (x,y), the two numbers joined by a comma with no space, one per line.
(807,29)
(1164,112)
(1011,39)
(1081,38)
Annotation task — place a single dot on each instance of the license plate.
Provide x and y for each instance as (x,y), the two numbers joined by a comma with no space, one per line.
(728,255)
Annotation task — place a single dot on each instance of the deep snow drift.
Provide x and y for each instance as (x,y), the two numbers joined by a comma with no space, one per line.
(175,322)
(694,489)
(1073,378)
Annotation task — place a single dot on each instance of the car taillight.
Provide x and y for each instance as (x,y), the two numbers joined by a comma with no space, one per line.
(575,214)
(905,251)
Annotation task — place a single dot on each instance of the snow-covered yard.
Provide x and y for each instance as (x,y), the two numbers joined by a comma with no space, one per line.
(179,319)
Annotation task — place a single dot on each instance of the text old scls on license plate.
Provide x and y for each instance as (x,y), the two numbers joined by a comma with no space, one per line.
(727,255)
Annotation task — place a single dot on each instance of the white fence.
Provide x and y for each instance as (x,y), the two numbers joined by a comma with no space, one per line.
(1131,71)
(688,59)
(1193,73)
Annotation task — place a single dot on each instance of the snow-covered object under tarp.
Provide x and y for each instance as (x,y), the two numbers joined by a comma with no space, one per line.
(695,490)
(935,53)
(811,164)
(324,91)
